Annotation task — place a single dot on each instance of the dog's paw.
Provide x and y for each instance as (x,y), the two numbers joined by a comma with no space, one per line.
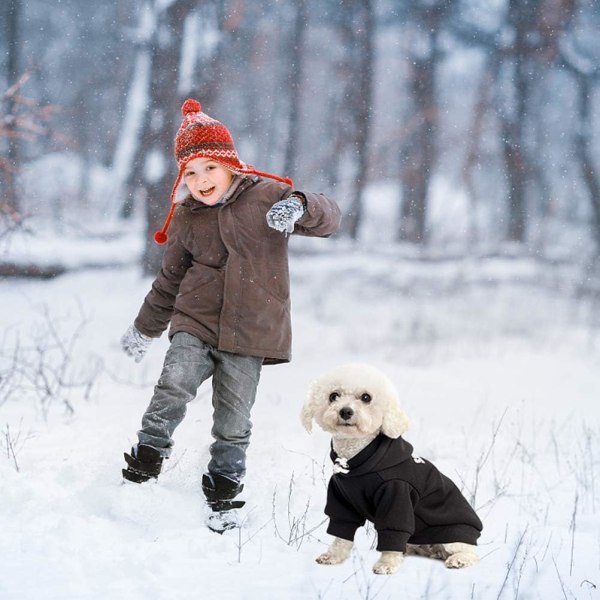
(330,559)
(388,563)
(337,553)
(380,568)
(461,560)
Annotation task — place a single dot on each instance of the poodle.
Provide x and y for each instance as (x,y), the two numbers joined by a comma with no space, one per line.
(376,477)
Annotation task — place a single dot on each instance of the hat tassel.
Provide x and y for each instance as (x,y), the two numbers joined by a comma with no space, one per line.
(161,237)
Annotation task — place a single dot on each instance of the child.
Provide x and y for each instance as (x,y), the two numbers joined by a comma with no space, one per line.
(224,288)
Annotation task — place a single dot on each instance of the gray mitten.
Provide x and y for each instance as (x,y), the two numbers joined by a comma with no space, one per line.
(284,214)
(135,344)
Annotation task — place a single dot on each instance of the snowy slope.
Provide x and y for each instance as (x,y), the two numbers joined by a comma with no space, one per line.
(499,370)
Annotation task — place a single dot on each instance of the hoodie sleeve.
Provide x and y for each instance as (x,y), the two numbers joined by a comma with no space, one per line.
(157,309)
(394,515)
(344,520)
(321,218)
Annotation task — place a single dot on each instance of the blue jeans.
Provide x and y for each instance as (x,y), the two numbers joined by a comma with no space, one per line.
(188,362)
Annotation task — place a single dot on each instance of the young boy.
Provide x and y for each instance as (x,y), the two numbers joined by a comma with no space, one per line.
(224,288)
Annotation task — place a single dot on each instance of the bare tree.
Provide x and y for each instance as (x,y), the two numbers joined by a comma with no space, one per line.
(474,145)
(360,104)
(154,158)
(517,63)
(128,142)
(13,10)
(419,151)
(153,176)
(351,108)
(294,84)
(20,119)
(586,75)
(537,27)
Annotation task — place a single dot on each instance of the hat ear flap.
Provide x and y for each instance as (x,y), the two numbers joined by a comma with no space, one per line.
(181,192)
(395,420)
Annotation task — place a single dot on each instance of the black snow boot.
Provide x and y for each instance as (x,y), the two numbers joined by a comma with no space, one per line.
(220,492)
(143,463)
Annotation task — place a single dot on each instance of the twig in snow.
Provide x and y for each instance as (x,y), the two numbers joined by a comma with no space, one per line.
(241,544)
(44,368)
(573,527)
(296,525)
(483,459)
(562,585)
(13,445)
(512,562)
(366,589)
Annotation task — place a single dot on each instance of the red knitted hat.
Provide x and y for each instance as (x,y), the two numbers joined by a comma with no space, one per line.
(201,136)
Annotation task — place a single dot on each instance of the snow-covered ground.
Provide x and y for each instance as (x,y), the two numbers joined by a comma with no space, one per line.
(496,362)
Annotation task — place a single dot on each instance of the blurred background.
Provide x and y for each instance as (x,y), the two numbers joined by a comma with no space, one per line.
(443,128)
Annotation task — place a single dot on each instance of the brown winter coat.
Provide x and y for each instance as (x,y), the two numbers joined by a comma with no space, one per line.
(224,275)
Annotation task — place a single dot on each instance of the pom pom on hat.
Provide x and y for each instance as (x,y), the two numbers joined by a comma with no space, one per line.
(201,136)
(190,106)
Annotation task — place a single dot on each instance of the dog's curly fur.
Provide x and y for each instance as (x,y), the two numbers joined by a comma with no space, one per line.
(355,403)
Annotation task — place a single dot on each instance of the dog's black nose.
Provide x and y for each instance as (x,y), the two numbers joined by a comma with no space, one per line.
(346,413)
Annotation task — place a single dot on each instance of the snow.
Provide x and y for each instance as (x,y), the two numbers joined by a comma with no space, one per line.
(497,364)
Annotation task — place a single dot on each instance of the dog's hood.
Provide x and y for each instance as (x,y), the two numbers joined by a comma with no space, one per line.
(383,452)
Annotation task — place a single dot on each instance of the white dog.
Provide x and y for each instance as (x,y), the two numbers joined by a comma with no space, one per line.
(377,478)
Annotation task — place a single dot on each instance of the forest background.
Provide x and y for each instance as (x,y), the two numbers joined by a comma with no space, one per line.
(476,117)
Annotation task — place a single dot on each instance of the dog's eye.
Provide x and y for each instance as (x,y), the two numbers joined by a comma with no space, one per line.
(366,398)
(333,396)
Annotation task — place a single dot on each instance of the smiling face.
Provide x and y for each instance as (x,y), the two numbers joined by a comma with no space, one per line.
(207,180)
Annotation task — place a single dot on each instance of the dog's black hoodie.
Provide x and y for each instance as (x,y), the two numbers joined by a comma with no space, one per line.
(406,498)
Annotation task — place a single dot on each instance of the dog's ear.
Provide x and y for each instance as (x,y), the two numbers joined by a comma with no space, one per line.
(306,416)
(395,420)
(308,410)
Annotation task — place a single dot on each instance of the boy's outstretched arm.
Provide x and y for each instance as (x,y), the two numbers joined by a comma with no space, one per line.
(321,218)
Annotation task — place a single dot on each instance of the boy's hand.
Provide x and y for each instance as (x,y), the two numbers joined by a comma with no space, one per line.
(135,343)
(283,215)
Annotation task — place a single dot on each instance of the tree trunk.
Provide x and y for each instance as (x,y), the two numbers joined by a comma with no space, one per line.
(513,139)
(163,119)
(154,171)
(127,146)
(537,27)
(163,116)
(584,154)
(360,102)
(474,146)
(419,151)
(294,86)
(11,197)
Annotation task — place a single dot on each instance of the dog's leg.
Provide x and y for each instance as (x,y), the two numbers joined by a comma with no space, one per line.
(459,555)
(388,562)
(337,553)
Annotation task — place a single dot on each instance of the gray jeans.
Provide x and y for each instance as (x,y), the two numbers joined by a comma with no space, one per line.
(188,363)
